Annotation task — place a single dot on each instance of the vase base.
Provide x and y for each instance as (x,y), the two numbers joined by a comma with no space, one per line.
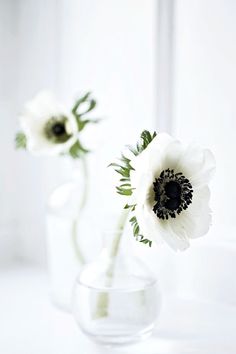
(60,304)
(119,339)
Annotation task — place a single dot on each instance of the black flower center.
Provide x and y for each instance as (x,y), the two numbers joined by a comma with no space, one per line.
(173,203)
(55,129)
(173,189)
(58,129)
(173,194)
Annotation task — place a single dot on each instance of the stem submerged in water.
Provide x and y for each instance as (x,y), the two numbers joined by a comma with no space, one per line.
(79,254)
(103,298)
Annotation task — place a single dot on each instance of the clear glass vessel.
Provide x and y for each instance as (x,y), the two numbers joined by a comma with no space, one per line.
(116,299)
(64,247)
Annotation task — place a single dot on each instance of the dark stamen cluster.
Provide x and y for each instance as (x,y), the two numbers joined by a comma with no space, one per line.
(58,129)
(173,194)
(55,129)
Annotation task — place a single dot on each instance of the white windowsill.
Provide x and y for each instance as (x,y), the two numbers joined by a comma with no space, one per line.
(29,324)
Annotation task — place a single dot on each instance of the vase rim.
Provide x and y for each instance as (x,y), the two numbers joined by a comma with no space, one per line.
(152,282)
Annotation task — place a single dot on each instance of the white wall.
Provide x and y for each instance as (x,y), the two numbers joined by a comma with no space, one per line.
(36,24)
(8,87)
(72,46)
(205,94)
(110,47)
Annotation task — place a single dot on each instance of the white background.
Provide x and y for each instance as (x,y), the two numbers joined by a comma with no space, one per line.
(112,48)
(204,94)
(71,47)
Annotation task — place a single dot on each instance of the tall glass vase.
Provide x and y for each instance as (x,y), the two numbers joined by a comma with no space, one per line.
(65,252)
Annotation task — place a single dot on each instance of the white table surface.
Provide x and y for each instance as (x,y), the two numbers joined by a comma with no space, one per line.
(29,324)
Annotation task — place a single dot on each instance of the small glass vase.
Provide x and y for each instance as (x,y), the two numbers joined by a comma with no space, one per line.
(65,251)
(116,299)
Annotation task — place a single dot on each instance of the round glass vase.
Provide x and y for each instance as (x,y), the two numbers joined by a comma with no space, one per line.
(116,299)
(64,247)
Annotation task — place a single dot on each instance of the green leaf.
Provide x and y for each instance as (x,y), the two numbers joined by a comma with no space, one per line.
(124,180)
(123,172)
(20,141)
(145,139)
(136,229)
(77,150)
(83,123)
(130,206)
(124,167)
(146,242)
(125,185)
(136,232)
(86,98)
(113,164)
(78,113)
(124,191)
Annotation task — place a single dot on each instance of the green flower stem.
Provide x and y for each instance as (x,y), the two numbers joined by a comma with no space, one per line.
(119,232)
(103,298)
(75,225)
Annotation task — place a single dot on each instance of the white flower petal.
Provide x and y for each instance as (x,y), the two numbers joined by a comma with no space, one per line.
(172,155)
(195,164)
(38,147)
(198,165)
(198,215)
(147,165)
(200,200)
(34,118)
(197,226)
(72,127)
(44,105)
(158,230)
(147,224)
(177,242)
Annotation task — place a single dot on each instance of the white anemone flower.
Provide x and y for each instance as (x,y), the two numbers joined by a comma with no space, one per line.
(50,129)
(170,190)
